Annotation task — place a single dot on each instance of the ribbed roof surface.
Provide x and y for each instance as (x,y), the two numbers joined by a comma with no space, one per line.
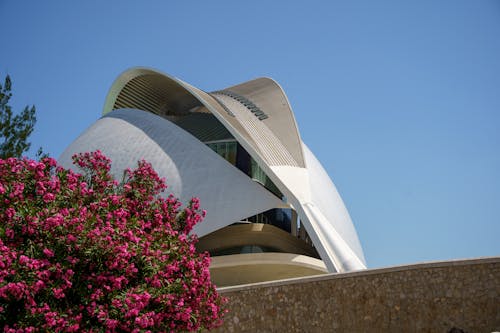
(269,145)
(270,98)
(156,94)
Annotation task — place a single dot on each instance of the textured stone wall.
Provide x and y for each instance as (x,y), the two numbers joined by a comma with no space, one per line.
(431,297)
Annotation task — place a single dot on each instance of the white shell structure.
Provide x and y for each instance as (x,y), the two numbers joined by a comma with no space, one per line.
(239,151)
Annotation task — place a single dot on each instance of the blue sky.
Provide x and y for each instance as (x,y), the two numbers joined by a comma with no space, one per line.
(399,100)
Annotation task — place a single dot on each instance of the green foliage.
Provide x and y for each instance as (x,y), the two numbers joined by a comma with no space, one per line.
(14,129)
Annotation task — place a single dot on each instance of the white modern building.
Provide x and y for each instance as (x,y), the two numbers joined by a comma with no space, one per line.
(272,210)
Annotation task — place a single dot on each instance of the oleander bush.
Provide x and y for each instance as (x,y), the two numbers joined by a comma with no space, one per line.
(84,252)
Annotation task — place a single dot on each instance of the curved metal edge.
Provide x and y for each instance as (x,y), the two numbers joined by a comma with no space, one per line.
(327,199)
(268,258)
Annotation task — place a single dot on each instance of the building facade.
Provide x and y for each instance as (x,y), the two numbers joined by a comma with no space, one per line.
(272,210)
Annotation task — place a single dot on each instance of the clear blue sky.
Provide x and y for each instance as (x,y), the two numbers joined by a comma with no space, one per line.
(399,100)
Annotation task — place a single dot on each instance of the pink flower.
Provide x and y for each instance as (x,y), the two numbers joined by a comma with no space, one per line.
(9,233)
(58,293)
(48,197)
(39,285)
(10,212)
(48,253)
(23,259)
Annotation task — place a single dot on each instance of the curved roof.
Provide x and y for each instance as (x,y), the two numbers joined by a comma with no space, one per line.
(257,115)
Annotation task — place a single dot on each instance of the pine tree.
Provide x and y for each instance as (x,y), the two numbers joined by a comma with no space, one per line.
(14,129)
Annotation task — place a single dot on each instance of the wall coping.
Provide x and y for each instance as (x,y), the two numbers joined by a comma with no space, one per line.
(364,272)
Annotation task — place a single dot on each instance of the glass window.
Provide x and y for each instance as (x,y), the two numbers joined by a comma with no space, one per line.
(258,175)
(226,149)
(231,152)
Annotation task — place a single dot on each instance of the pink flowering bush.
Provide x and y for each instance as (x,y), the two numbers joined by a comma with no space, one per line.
(83,252)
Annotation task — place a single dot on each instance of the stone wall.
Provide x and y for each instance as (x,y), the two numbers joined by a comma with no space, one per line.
(429,297)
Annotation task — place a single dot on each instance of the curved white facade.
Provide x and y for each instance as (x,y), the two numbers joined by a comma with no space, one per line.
(211,145)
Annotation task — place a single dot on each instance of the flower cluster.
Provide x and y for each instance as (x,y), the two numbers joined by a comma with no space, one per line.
(83,252)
